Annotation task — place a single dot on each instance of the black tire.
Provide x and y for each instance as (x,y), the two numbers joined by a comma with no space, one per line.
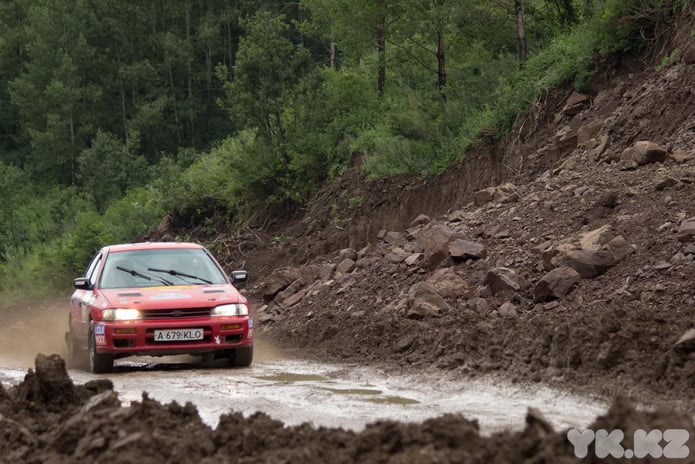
(98,363)
(77,356)
(242,357)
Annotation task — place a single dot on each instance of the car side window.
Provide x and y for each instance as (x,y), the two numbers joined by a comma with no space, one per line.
(90,273)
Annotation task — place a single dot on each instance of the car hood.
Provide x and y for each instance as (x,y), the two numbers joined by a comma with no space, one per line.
(188,296)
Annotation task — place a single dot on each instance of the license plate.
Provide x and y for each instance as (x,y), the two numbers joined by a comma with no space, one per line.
(178,335)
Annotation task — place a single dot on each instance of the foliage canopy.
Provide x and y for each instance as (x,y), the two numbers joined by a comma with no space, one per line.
(114,114)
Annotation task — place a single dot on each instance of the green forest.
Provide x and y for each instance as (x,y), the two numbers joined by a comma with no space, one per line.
(116,113)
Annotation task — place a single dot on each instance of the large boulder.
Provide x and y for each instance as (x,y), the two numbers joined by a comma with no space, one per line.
(464,249)
(278,281)
(644,152)
(686,343)
(424,301)
(500,279)
(686,231)
(502,193)
(597,251)
(435,239)
(556,284)
(447,283)
(575,103)
(346,266)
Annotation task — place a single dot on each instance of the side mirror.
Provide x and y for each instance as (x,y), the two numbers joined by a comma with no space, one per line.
(239,276)
(82,283)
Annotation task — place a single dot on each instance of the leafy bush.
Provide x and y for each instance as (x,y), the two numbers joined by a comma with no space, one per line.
(625,25)
(48,265)
(108,168)
(328,112)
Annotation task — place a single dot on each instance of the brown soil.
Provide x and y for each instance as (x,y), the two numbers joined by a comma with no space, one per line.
(48,419)
(615,333)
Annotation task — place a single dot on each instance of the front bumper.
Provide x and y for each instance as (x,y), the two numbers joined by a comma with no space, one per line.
(127,338)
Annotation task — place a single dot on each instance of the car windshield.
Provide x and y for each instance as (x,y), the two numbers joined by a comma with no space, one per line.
(169,266)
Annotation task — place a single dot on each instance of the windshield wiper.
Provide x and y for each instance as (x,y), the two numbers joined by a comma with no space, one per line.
(135,273)
(174,272)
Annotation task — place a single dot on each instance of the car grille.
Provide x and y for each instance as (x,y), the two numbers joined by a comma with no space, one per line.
(179,313)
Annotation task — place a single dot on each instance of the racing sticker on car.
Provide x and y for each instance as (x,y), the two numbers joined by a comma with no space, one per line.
(100,339)
(99,329)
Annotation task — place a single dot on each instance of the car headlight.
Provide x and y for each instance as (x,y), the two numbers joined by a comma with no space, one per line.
(121,314)
(235,309)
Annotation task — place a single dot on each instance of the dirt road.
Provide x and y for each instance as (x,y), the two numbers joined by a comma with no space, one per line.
(295,391)
(292,389)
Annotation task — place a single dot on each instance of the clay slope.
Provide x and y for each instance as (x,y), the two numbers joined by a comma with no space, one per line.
(575,263)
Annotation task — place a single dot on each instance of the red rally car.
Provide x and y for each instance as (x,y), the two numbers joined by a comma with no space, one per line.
(157,299)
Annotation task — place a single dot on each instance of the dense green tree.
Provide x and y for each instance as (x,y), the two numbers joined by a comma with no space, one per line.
(13,192)
(55,89)
(357,26)
(12,52)
(268,66)
(108,168)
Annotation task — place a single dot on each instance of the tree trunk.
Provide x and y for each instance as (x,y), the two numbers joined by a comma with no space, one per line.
(172,90)
(189,80)
(123,115)
(73,168)
(332,54)
(284,156)
(520,32)
(441,64)
(381,49)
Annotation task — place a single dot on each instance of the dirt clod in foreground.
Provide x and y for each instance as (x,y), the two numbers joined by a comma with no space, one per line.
(46,418)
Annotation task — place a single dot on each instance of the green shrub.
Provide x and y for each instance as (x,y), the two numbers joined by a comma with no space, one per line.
(626,25)
(328,113)
(132,216)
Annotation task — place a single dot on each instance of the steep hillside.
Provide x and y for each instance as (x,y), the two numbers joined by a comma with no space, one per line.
(564,253)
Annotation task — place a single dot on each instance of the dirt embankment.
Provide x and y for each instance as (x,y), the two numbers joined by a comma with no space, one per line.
(572,262)
(48,419)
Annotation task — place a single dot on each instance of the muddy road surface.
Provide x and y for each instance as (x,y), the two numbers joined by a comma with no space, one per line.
(287,407)
(295,391)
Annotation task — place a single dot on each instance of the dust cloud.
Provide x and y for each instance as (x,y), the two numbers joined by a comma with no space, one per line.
(264,349)
(33,327)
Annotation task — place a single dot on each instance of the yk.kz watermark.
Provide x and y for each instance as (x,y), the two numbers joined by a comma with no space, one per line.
(669,443)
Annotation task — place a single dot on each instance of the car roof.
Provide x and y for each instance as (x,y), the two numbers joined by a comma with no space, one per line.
(150,246)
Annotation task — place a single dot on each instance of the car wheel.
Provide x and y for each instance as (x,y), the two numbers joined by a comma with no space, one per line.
(242,357)
(98,363)
(76,354)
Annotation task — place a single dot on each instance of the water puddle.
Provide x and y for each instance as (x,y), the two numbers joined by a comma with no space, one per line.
(288,377)
(353,391)
(392,399)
